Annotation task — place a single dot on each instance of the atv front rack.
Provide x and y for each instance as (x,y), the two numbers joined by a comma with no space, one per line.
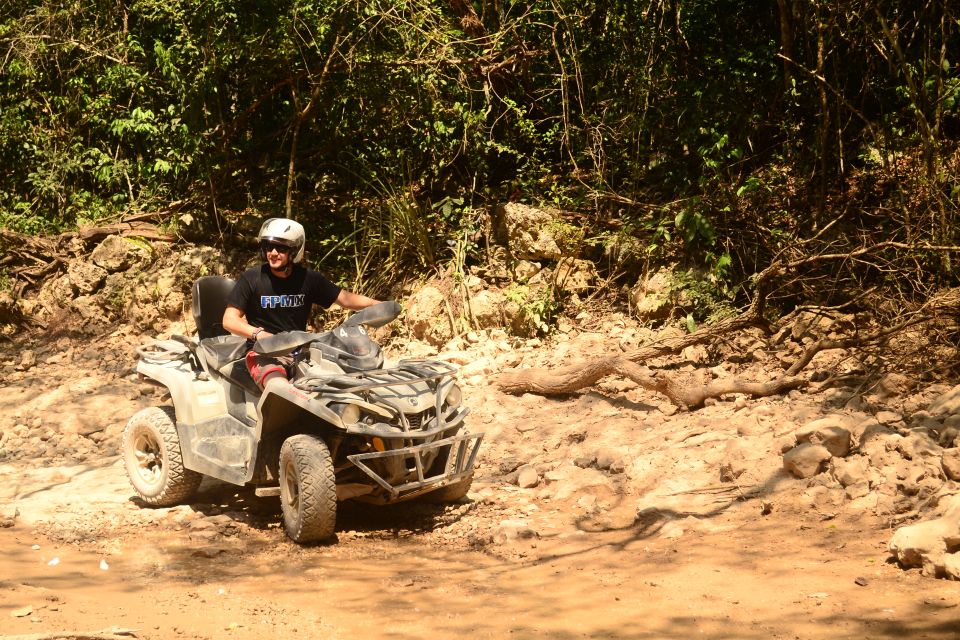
(460,462)
(406,372)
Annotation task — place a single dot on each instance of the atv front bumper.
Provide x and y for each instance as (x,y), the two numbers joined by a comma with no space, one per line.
(459,465)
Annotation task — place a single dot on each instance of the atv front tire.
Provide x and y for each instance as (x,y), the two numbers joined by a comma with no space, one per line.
(308,491)
(154,463)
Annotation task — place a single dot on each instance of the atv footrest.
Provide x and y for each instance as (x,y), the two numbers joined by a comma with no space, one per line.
(460,462)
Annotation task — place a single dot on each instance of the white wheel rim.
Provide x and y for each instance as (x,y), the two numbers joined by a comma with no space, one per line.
(292,486)
(149,457)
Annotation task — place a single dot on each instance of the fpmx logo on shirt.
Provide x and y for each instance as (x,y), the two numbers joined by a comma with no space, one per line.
(273,302)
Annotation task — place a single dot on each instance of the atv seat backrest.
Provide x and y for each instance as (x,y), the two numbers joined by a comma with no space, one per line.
(209,302)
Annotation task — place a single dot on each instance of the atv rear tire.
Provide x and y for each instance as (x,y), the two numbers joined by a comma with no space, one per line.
(154,462)
(308,490)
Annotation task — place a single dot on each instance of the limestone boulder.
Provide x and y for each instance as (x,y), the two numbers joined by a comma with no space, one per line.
(650,297)
(486,307)
(575,276)
(530,233)
(932,544)
(117,254)
(850,471)
(427,316)
(85,277)
(55,294)
(831,432)
(946,403)
(950,461)
(806,460)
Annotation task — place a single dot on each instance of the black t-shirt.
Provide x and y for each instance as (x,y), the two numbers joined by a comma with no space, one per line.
(281,304)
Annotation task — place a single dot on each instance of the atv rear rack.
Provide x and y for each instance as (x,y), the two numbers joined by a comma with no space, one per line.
(460,462)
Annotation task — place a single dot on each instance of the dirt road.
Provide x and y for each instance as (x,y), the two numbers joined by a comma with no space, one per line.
(626,534)
(768,579)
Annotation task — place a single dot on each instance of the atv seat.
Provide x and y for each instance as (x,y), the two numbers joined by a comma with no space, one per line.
(209,302)
(220,351)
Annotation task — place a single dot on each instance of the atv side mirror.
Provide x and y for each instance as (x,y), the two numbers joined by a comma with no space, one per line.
(375,316)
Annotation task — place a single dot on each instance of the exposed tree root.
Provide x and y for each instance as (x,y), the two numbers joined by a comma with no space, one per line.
(680,393)
(113,633)
(583,374)
(686,394)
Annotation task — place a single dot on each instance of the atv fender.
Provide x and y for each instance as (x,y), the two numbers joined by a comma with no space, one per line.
(194,399)
(282,405)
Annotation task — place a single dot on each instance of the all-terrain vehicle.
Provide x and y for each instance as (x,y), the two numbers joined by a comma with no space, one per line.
(346,427)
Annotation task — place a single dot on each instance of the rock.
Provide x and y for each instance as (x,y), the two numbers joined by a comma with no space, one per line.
(927,544)
(889,417)
(830,432)
(696,353)
(585,462)
(948,437)
(806,460)
(55,294)
(610,460)
(850,471)
(116,254)
(89,308)
(28,360)
(877,441)
(527,477)
(894,385)
(650,297)
(858,490)
(85,277)
(575,275)
(8,516)
(427,317)
(947,403)
(510,530)
(524,270)
(918,445)
(951,464)
(487,308)
(529,233)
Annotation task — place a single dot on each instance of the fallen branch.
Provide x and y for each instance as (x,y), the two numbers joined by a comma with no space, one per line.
(582,374)
(682,394)
(141,229)
(113,633)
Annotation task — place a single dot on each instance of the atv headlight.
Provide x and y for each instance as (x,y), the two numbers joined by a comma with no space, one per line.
(349,413)
(454,396)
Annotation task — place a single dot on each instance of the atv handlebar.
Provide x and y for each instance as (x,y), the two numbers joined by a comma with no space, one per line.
(376,315)
(283,343)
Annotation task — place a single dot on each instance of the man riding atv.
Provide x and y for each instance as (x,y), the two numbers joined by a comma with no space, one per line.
(278,295)
(314,418)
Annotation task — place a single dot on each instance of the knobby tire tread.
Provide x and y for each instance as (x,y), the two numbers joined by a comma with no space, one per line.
(317,515)
(181,483)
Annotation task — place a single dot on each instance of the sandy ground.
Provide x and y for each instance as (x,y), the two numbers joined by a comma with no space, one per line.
(81,556)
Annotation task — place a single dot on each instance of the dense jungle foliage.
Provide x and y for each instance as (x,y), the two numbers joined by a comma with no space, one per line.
(718,133)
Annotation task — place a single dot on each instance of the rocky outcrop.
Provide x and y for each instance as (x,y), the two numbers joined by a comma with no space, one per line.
(123,280)
(933,545)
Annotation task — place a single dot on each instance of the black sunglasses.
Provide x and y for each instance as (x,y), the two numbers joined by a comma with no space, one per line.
(273,246)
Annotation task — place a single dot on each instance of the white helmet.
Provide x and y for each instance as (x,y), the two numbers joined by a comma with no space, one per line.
(283,231)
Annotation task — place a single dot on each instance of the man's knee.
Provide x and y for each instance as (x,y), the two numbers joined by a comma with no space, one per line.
(262,369)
